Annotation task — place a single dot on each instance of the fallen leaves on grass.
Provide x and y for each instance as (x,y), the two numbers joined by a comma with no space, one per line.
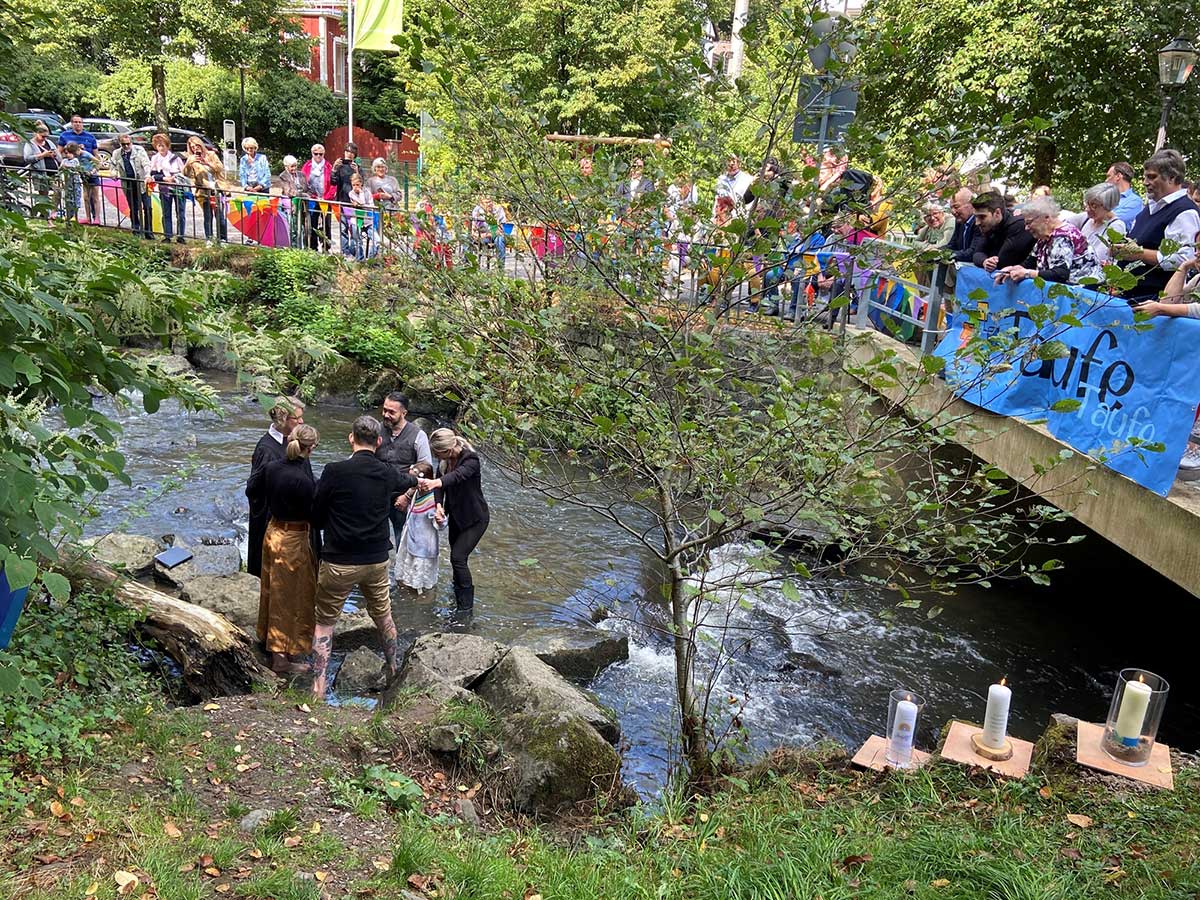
(127,882)
(1080,821)
(1045,792)
(858,859)
(1071,853)
(940,883)
(171,830)
(292,840)
(92,888)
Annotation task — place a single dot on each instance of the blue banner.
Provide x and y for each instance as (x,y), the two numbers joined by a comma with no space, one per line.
(1125,395)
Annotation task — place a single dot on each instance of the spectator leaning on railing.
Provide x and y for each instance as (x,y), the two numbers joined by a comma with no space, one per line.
(43,160)
(1098,222)
(90,181)
(166,166)
(1002,240)
(317,188)
(254,171)
(1061,253)
(133,168)
(204,170)
(1170,221)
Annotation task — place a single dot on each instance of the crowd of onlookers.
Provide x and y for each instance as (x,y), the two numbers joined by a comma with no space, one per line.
(1151,237)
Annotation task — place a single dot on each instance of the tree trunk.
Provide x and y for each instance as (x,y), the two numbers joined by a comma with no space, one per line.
(693,732)
(158,87)
(1045,154)
(217,657)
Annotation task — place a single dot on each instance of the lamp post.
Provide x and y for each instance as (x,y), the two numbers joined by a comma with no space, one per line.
(1175,64)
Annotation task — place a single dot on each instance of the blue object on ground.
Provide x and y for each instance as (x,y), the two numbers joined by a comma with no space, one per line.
(11,604)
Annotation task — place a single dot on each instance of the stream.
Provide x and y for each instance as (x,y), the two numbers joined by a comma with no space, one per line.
(822,668)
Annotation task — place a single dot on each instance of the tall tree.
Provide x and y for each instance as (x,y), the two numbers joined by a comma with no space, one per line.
(234,33)
(1088,69)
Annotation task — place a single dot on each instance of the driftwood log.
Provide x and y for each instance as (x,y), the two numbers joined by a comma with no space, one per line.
(216,657)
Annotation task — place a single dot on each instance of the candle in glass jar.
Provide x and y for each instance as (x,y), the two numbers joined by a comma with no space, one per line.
(901,738)
(995,717)
(1132,714)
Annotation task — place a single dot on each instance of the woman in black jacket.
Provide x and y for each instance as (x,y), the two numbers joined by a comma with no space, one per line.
(460,491)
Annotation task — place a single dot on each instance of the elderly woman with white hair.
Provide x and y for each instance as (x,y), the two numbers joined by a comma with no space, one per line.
(384,188)
(1098,223)
(254,172)
(291,189)
(1061,253)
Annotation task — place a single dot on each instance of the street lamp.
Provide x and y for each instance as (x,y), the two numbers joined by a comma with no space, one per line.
(1175,64)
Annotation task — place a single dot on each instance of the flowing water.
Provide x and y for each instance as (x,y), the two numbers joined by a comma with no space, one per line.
(822,668)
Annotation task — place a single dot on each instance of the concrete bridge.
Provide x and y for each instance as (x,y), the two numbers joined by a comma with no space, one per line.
(1162,532)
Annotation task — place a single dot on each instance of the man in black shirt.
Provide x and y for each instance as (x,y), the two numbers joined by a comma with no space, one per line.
(1002,239)
(353,504)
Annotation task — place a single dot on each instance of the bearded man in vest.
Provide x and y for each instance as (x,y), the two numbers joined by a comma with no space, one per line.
(403,444)
(1163,236)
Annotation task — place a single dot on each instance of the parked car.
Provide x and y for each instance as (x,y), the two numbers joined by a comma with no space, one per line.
(106,131)
(14,137)
(53,120)
(179,138)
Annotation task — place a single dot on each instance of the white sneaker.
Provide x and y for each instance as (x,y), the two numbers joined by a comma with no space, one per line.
(1189,466)
(1195,436)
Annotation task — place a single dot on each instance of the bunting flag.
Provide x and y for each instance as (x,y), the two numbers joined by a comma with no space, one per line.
(376,22)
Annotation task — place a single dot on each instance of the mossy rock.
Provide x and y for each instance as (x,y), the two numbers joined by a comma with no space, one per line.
(560,761)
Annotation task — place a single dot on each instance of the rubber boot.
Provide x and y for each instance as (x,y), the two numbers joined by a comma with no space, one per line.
(464,597)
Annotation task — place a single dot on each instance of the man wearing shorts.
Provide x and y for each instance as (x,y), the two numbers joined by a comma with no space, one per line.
(353,504)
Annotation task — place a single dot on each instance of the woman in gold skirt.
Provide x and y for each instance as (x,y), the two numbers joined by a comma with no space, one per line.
(288,583)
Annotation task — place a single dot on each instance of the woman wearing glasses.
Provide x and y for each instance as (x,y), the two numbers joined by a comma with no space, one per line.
(317,186)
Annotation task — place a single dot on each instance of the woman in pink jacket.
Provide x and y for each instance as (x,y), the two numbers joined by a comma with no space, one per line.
(316,186)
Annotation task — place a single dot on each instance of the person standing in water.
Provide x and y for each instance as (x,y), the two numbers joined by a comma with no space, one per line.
(460,492)
(288,583)
(286,414)
(353,505)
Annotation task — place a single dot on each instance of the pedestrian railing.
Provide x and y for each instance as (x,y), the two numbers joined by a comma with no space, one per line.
(831,286)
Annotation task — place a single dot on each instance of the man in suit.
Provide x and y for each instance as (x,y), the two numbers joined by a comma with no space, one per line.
(353,505)
(286,414)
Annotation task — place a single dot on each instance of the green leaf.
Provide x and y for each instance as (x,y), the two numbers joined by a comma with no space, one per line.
(19,571)
(57,585)
(10,680)
(1067,404)
(528,562)
(716,517)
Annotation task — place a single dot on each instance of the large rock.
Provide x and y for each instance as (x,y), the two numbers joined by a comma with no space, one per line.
(214,357)
(578,653)
(559,761)
(414,675)
(131,552)
(207,559)
(444,666)
(521,684)
(362,672)
(461,659)
(338,384)
(234,596)
(170,364)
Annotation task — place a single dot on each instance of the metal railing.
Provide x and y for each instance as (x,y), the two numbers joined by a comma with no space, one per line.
(828,286)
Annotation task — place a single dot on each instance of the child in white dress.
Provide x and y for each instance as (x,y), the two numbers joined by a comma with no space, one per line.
(420,539)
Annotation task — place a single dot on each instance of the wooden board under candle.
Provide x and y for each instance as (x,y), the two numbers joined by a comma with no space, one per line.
(1156,772)
(958,748)
(873,755)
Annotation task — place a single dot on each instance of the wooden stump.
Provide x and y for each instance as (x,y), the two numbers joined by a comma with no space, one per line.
(216,657)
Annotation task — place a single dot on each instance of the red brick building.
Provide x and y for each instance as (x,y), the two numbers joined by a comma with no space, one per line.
(323,21)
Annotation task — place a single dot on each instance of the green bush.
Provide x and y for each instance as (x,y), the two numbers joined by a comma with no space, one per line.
(290,275)
(64,681)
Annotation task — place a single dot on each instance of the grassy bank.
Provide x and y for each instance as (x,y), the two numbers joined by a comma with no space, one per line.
(356,809)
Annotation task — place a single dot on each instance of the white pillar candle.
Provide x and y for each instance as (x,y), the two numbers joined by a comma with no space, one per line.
(900,741)
(1134,703)
(995,717)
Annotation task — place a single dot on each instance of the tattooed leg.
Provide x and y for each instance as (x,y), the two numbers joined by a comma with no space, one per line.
(322,645)
(391,649)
